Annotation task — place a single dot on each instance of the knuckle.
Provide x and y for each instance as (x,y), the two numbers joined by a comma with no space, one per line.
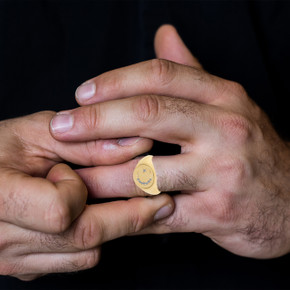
(162,71)
(225,205)
(234,172)
(91,148)
(88,235)
(176,221)
(7,269)
(57,216)
(83,261)
(3,243)
(236,128)
(222,208)
(89,260)
(237,173)
(109,83)
(234,90)
(92,117)
(147,108)
(136,222)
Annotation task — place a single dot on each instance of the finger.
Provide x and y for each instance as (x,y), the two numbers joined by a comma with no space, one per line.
(101,152)
(168,45)
(161,118)
(104,222)
(193,213)
(99,223)
(111,181)
(34,265)
(47,205)
(174,173)
(157,76)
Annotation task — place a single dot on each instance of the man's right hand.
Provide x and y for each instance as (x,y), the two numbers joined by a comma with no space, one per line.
(45,224)
(233,170)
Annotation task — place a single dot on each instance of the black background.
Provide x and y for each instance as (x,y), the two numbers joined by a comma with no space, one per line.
(48,48)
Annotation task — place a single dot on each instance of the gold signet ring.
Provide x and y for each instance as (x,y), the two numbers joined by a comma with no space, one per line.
(144,175)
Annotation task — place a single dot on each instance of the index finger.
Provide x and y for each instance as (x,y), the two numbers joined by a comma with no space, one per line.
(156,76)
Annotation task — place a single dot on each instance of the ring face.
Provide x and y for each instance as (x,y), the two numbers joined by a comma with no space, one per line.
(144,176)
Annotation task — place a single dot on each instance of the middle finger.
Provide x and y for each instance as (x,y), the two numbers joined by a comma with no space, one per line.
(161,118)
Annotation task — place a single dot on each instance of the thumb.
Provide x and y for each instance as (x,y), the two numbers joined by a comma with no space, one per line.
(168,45)
(111,220)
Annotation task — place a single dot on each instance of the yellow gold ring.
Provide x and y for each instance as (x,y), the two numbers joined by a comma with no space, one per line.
(144,175)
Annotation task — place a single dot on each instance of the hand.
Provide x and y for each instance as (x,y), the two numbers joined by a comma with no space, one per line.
(233,170)
(45,225)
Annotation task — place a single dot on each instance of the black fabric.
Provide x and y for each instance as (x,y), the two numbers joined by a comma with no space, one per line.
(48,48)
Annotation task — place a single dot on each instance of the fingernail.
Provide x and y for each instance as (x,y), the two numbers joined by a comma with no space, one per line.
(163,212)
(85,91)
(128,141)
(61,123)
(109,146)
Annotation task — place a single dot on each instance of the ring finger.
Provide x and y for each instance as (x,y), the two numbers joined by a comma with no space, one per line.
(174,173)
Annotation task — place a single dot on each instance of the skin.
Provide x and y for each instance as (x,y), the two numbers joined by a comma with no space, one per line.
(233,168)
(45,224)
